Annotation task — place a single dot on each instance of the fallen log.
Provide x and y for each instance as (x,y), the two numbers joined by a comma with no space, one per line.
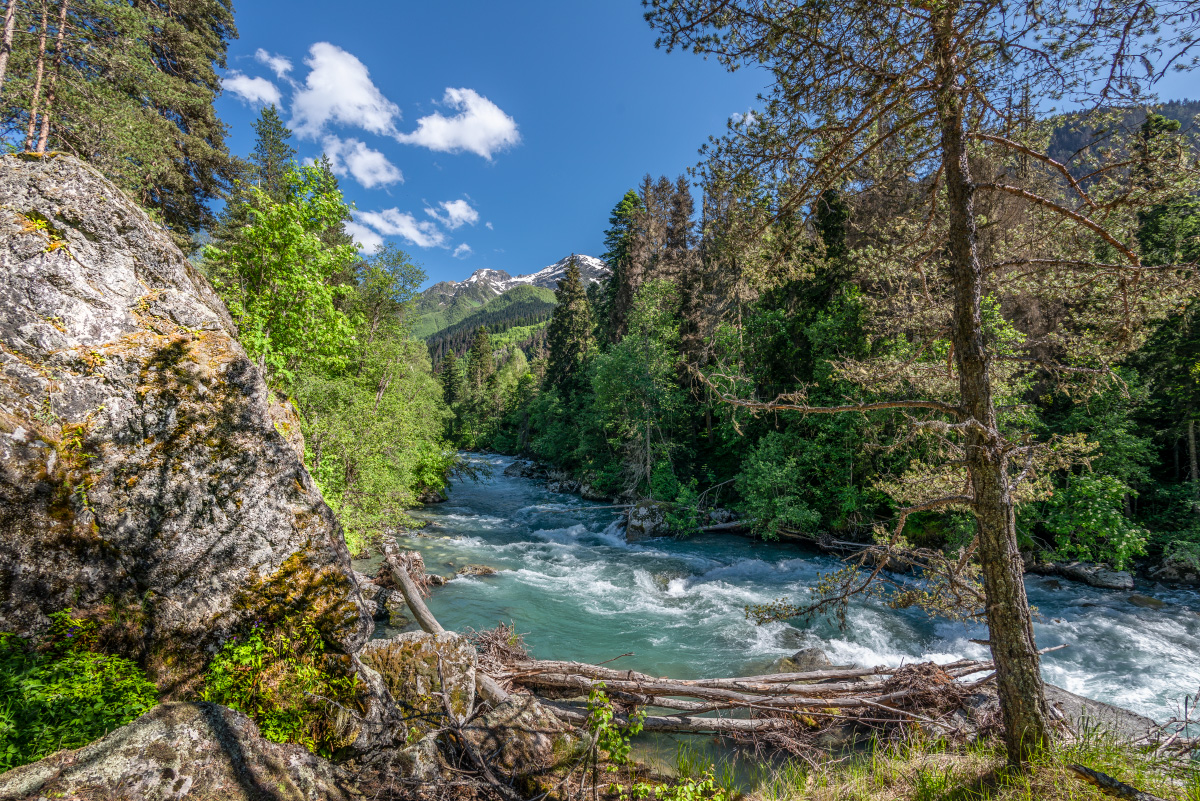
(485,685)
(683,724)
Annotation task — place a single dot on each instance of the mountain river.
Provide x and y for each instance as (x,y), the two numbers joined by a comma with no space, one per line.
(572,585)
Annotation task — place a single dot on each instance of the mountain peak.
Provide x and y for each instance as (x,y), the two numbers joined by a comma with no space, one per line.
(591,269)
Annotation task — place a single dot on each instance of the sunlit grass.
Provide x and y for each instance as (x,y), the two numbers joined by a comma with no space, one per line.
(933,771)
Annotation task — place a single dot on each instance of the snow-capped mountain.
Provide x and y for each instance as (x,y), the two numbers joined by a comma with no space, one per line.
(495,282)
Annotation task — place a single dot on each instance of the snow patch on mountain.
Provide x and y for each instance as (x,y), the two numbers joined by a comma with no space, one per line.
(591,269)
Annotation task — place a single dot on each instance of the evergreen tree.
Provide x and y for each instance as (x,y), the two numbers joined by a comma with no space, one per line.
(274,158)
(128,87)
(569,335)
(480,361)
(618,254)
(451,378)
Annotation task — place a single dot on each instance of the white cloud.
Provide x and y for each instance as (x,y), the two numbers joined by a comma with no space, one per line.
(463,251)
(367,240)
(393,222)
(279,65)
(454,214)
(338,89)
(369,167)
(489,226)
(251,90)
(478,127)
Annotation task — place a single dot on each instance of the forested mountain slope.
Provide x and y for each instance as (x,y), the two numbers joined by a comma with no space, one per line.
(520,307)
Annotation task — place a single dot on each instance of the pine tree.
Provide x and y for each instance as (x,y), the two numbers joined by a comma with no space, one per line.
(273,157)
(480,361)
(569,335)
(133,87)
(451,378)
(621,284)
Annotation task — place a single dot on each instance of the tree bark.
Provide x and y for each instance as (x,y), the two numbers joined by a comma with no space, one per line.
(1194,475)
(44,138)
(38,72)
(10,26)
(1010,623)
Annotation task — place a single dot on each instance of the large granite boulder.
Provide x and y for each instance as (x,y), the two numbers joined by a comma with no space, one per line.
(181,751)
(145,479)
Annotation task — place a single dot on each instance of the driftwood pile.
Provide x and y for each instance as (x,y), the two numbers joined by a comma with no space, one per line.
(788,710)
(793,711)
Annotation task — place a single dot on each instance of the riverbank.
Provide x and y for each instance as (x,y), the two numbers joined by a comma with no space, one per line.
(570,581)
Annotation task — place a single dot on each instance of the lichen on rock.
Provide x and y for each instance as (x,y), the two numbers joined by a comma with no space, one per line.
(418,667)
(141,466)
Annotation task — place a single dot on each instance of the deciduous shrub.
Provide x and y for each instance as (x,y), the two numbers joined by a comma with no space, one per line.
(60,693)
(283,679)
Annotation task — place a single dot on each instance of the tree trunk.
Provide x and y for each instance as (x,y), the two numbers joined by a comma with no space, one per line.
(10,26)
(1194,475)
(1010,624)
(37,80)
(58,57)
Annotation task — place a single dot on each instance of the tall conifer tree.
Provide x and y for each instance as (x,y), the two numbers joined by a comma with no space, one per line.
(569,335)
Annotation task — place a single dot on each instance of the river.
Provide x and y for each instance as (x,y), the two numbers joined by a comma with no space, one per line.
(571,584)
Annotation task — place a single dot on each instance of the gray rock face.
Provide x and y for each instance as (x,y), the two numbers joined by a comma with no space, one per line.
(525,739)
(141,464)
(181,751)
(646,519)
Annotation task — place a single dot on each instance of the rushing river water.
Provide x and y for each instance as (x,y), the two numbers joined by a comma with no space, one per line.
(578,591)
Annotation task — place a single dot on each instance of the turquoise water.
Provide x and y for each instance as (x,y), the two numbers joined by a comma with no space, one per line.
(577,591)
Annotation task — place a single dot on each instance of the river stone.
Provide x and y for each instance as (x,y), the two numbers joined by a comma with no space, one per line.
(144,475)
(1098,576)
(181,751)
(1180,566)
(646,519)
(409,664)
(1145,601)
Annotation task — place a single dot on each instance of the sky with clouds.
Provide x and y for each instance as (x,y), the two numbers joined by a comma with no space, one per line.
(480,134)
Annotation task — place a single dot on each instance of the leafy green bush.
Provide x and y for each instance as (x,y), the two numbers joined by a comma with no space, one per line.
(1087,521)
(1184,552)
(64,695)
(285,681)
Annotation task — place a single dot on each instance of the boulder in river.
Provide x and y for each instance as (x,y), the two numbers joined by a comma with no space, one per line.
(143,473)
(646,519)
(1145,601)
(178,751)
(1180,565)
(1090,573)
(476,570)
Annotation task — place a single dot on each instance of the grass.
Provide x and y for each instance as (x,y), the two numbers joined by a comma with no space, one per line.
(934,771)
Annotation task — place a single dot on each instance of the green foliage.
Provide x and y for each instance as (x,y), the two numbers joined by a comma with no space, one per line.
(283,679)
(569,335)
(274,277)
(63,694)
(1088,522)
(134,97)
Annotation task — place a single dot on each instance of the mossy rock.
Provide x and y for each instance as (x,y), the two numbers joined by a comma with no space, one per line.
(413,666)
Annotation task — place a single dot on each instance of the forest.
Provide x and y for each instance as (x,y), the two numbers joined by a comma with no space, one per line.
(935,302)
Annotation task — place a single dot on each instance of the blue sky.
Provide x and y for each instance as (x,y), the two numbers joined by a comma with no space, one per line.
(484,134)
(519,125)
